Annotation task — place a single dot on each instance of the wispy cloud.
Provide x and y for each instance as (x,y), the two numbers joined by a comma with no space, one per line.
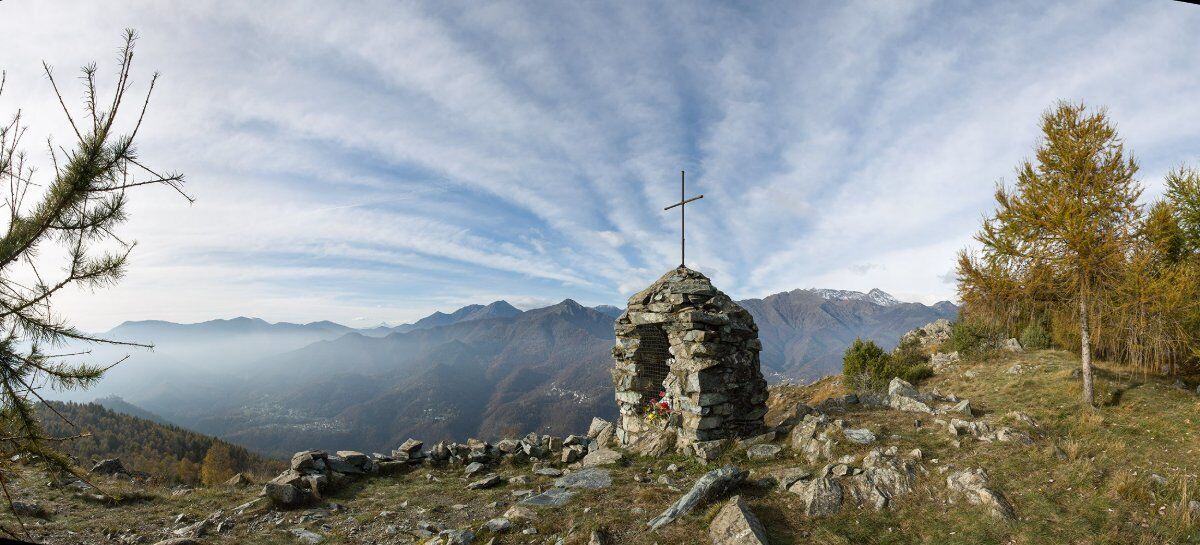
(375,164)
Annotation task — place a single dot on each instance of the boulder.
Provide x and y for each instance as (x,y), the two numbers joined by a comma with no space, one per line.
(552,497)
(765,451)
(111,466)
(239,480)
(473,468)
(786,477)
(452,537)
(901,387)
(1011,345)
(305,536)
(656,444)
(707,451)
(356,458)
(27,509)
(883,477)
(339,465)
(498,525)
(597,426)
(757,440)
(860,436)
(735,524)
(599,537)
(972,485)
(940,362)
(409,450)
(602,458)
(708,487)
(309,460)
(572,454)
(591,478)
(821,496)
(490,481)
(962,407)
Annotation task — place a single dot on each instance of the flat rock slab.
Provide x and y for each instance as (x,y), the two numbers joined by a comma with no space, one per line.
(593,478)
(602,457)
(552,497)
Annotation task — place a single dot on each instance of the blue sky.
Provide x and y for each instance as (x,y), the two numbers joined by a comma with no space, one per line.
(377,162)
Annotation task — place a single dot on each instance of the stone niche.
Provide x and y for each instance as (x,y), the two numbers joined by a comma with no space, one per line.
(683,337)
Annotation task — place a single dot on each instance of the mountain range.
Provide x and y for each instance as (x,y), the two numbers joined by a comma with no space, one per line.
(482,370)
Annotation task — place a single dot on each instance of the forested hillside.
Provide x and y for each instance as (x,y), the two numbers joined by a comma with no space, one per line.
(165,452)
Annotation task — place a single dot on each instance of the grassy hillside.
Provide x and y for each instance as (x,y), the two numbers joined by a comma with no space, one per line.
(1086,479)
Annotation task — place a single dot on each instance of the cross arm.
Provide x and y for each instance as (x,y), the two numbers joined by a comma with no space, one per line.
(681,203)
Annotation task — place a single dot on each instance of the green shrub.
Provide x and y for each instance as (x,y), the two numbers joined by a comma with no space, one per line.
(865,366)
(972,340)
(1035,336)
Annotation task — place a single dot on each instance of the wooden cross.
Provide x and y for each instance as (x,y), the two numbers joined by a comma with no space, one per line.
(682,220)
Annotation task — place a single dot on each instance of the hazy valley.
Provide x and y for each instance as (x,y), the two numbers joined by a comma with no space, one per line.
(480,371)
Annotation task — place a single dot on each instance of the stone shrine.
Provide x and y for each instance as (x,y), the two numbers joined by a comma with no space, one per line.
(686,366)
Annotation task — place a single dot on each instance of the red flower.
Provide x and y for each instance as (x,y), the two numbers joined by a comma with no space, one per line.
(662,394)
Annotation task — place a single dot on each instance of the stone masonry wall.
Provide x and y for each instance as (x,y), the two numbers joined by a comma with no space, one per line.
(714,385)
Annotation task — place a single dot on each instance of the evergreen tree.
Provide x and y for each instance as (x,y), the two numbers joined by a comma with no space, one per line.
(1072,212)
(75,212)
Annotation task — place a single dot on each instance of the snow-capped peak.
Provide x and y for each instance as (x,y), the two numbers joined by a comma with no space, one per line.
(876,296)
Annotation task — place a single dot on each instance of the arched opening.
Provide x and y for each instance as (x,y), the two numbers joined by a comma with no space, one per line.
(651,359)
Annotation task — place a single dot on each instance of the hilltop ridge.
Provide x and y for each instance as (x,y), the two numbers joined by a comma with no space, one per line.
(1041,470)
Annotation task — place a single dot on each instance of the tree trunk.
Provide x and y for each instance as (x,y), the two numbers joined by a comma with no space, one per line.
(1085,348)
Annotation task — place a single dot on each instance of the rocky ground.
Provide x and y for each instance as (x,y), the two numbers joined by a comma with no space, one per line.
(984,452)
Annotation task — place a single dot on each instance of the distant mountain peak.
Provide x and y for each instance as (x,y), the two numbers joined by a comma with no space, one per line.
(876,296)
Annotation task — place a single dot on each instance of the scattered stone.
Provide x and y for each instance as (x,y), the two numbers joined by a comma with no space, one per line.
(591,478)
(963,407)
(490,481)
(549,472)
(1016,369)
(940,362)
(785,478)
(735,524)
(520,512)
(473,468)
(602,458)
(757,440)
(552,497)
(1011,345)
(111,466)
(708,451)
(306,536)
(598,426)
(453,537)
(239,479)
(972,485)
(710,486)
(883,477)
(1024,419)
(1194,507)
(498,524)
(901,387)
(179,541)
(339,465)
(1158,480)
(599,537)
(861,436)
(572,454)
(409,450)
(28,509)
(763,452)
(821,496)
(1010,435)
